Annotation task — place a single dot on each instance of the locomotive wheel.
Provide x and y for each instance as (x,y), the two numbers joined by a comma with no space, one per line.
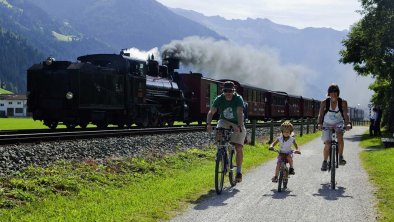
(71,125)
(52,125)
(83,125)
(102,125)
(170,122)
(154,121)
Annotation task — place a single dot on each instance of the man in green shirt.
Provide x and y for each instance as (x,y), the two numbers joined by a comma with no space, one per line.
(230,106)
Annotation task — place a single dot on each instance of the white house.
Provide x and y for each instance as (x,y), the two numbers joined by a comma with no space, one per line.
(13,105)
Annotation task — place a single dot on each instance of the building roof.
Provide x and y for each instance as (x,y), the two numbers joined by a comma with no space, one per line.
(13,97)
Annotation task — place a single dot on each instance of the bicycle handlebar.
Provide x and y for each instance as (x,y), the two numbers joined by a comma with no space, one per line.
(278,151)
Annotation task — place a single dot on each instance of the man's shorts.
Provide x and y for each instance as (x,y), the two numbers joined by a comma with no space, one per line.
(326,132)
(237,138)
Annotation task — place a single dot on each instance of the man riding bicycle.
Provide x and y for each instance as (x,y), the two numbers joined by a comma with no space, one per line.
(333,114)
(230,106)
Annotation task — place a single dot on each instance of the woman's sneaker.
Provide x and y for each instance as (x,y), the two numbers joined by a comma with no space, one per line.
(274,179)
(291,171)
(238,178)
(342,161)
(324,166)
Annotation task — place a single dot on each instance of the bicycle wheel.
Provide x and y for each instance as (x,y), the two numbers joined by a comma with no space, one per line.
(333,162)
(219,172)
(336,157)
(280,180)
(285,178)
(233,168)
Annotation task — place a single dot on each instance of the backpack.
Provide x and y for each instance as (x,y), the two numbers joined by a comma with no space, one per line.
(339,106)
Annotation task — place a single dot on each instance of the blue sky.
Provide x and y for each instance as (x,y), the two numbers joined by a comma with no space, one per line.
(336,14)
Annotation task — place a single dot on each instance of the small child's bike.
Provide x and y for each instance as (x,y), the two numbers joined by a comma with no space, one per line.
(283,170)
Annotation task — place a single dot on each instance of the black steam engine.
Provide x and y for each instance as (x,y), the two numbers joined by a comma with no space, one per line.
(104,89)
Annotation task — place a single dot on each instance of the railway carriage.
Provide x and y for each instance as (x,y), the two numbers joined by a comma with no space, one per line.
(256,100)
(199,93)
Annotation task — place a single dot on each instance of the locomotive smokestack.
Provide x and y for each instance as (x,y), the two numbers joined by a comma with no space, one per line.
(171,62)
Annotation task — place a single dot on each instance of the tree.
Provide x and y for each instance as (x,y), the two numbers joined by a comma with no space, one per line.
(369,47)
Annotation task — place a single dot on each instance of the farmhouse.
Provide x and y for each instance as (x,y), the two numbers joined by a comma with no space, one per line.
(13,105)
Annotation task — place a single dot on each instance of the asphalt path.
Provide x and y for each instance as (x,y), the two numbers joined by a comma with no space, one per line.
(308,197)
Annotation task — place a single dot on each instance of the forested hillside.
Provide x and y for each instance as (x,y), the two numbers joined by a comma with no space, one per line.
(16,57)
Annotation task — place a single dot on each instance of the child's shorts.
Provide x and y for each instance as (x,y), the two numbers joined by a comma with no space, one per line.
(284,155)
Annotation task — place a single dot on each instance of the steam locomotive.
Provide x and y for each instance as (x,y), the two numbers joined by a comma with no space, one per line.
(116,89)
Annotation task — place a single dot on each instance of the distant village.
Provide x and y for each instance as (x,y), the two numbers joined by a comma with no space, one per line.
(12,105)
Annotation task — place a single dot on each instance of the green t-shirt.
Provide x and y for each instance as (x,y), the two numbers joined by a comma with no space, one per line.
(228,109)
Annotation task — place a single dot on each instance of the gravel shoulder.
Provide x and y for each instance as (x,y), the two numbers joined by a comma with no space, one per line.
(308,198)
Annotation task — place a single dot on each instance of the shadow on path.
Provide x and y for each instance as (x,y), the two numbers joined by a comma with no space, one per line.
(212,199)
(280,195)
(329,194)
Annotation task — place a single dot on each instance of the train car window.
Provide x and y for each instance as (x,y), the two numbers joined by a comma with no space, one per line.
(258,98)
(207,96)
(250,95)
(254,95)
(245,95)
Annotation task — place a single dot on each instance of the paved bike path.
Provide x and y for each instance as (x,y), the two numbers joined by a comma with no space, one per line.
(308,198)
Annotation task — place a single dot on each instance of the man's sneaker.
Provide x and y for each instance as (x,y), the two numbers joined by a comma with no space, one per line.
(291,171)
(324,166)
(274,179)
(342,161)
(238,178)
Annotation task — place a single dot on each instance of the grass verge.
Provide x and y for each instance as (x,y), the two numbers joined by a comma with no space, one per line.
(378,162)
(136,189)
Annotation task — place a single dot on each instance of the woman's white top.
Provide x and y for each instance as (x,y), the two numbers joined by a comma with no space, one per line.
(333,116)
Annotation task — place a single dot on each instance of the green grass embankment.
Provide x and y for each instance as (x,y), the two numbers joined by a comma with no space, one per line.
(379,163)
(136,189)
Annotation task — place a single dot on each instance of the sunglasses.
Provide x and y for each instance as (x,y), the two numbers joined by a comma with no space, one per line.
(228,90)
(333,91)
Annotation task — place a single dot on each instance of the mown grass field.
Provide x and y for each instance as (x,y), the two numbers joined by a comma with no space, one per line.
(29,123)
(379,163)
(21,123)
(137,189)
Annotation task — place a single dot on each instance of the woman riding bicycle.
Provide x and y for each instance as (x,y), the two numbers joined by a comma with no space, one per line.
(333,114)
(286,139)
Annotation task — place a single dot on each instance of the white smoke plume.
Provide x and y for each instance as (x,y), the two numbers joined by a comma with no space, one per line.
(143,55)
(220,59)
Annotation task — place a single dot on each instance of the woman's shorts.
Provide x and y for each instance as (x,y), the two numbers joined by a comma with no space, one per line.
(327,134)
(237,138)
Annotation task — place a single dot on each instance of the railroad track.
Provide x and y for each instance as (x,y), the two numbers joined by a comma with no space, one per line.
(47,135)
(39,135)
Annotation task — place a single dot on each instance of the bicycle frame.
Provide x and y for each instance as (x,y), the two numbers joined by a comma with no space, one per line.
(333,160)
(283,171)
(224,156)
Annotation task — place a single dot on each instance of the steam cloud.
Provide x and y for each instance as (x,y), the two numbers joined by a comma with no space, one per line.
(225,60)
(142,55)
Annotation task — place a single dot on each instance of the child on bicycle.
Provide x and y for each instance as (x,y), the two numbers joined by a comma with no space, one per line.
(286,140)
